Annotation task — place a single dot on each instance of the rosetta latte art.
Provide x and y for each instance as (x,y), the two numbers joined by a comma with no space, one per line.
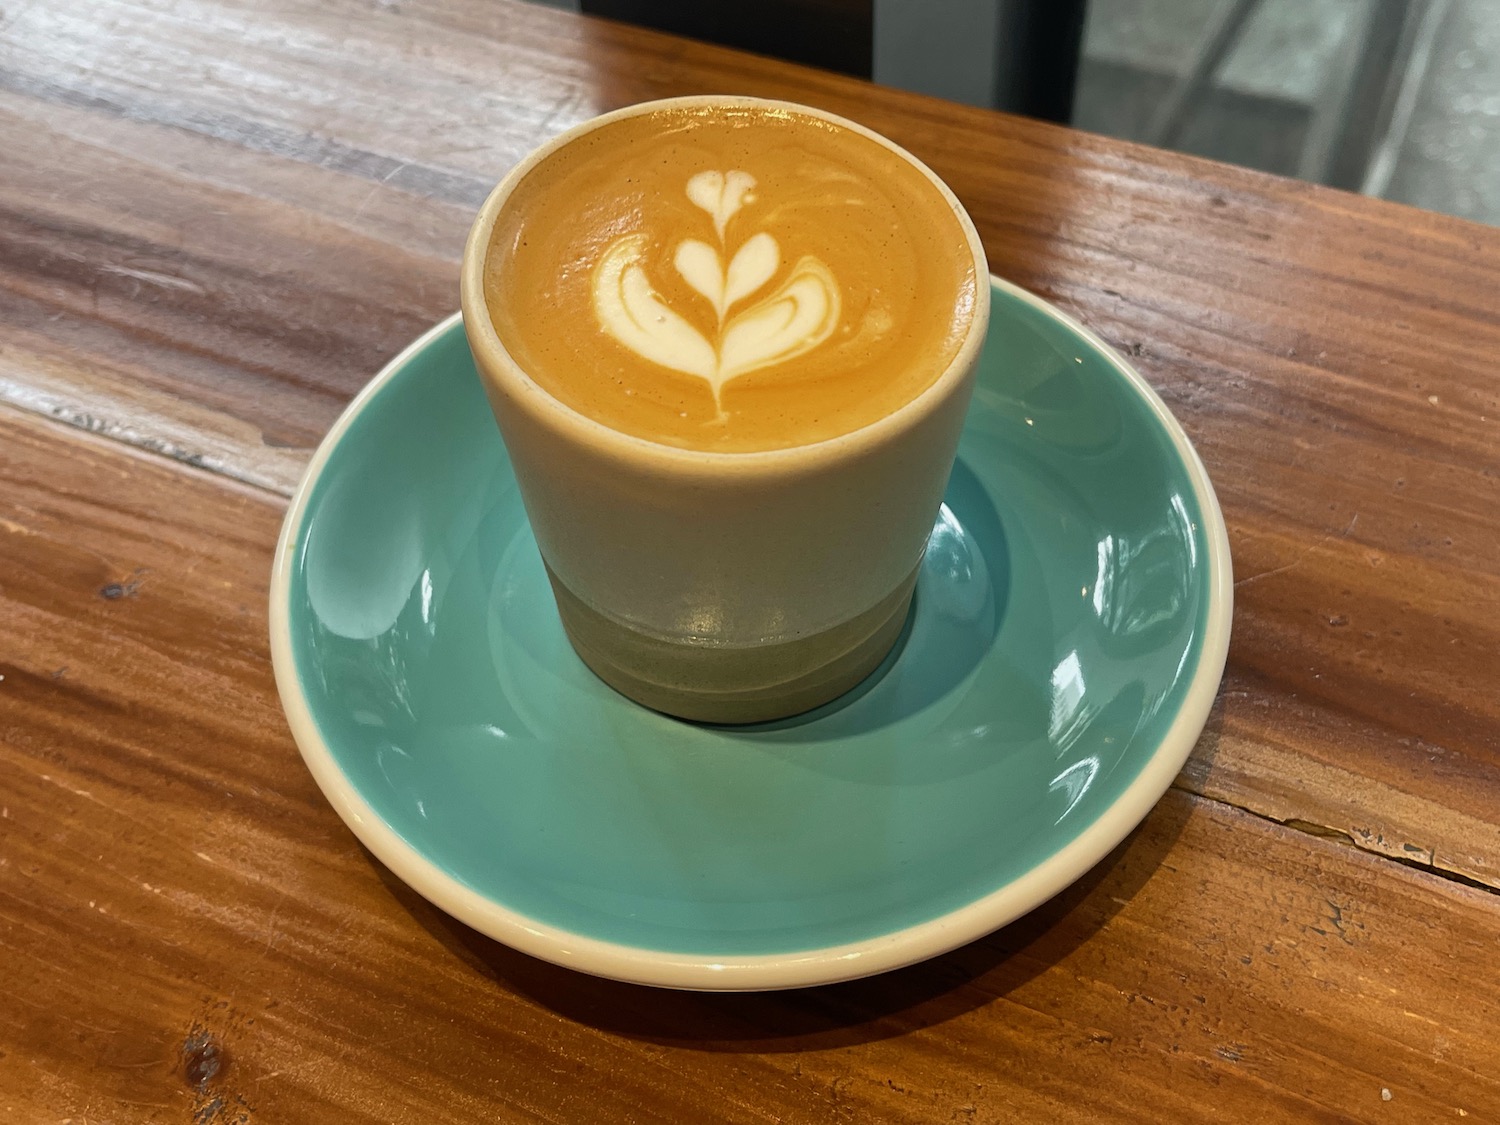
(798,315)
(730,278)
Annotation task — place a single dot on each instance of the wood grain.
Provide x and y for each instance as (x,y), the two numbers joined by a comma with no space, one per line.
(214,228)
(190,934)
(218,219)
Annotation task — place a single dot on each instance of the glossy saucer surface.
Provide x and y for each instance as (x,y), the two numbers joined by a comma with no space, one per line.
(1067,639)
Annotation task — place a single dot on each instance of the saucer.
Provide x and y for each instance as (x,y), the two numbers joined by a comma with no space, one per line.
(1066,642)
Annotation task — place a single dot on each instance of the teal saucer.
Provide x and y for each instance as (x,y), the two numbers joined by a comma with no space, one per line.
(1067,639)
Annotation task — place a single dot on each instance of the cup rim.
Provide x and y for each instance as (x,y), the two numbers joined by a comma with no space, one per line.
(495,363)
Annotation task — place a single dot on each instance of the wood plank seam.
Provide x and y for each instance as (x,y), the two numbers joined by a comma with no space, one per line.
(88,428)
(1340,837)
(160,448)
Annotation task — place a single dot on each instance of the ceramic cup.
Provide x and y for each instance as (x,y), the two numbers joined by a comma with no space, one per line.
(724,587)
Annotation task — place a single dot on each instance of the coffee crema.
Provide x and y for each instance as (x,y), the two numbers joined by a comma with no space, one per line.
(730,278)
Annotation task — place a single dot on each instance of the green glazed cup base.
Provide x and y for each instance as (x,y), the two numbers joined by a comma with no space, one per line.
(722,684)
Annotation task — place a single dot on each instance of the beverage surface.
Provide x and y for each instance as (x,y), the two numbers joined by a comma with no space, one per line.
(730,278)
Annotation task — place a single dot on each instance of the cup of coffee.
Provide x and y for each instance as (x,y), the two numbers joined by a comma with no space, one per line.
(729,344)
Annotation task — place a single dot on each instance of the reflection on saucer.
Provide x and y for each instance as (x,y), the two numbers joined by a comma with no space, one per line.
(1064,646)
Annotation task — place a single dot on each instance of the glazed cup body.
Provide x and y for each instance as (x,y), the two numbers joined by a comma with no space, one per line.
(725,587)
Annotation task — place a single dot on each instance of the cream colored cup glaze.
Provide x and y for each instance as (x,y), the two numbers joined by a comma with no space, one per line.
(728,587)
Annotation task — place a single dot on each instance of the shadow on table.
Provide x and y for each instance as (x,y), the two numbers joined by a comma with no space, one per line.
(874,1008)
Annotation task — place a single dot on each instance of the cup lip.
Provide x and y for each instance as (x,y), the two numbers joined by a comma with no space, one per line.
(497,366)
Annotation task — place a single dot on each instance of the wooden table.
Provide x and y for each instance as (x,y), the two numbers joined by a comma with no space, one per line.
(218,218)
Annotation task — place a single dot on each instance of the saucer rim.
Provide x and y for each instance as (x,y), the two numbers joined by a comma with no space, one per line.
(752,972)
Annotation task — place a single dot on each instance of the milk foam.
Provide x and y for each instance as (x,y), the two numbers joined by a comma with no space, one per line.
(730,278)
(796,317)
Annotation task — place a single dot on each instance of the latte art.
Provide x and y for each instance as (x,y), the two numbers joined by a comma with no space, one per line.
(797,317)
(730,278)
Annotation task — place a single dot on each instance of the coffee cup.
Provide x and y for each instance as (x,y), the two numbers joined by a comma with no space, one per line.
(729,344)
